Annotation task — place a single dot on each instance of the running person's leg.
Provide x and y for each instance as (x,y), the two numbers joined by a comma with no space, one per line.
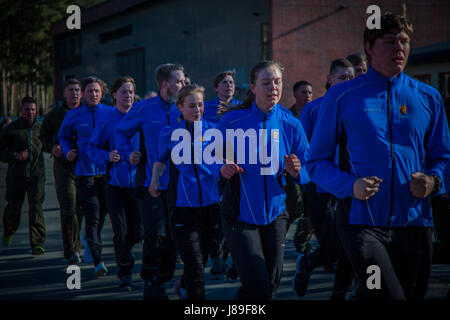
(244,243)
(88,196)
(67,199)
(15,196)
(187,232)
(117,208)
(367,246)
(272,241)
(36,195)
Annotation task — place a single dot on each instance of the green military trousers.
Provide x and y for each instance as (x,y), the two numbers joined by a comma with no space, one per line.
(34,188)
(70,212)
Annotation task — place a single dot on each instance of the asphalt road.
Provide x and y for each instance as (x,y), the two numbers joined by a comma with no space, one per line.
(27,277)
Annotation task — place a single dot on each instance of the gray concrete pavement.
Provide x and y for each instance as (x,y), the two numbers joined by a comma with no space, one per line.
(23,276)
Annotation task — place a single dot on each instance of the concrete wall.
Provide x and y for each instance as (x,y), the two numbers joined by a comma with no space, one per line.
(314,32)
(205,36)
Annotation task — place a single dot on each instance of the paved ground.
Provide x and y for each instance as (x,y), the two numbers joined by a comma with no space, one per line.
(23,276)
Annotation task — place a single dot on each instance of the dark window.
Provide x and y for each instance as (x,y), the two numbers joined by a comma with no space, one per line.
(115,34)
(444,84)
(70,51)
(132,63)
(424,78)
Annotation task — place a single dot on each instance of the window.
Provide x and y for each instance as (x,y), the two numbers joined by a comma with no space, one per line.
(444,84)
(132,63)
(424,78)
(115,34)
(69,51)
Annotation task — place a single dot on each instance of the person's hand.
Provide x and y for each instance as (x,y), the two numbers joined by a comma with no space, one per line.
(365,188)
(154,189)
(221,109)
(22,155)
(72,154)
(135,157)
(421,185)
(292,165)
(228,170)
(56,151)
(114,156)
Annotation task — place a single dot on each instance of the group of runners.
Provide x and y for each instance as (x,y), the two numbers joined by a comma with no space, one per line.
(365,158)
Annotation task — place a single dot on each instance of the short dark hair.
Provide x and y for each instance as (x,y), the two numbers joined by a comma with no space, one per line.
(27,100)
(221,76)
(301,83)
(356,58)
(390,23)
(87,81)
(164,71)
(71,81)
(338,63)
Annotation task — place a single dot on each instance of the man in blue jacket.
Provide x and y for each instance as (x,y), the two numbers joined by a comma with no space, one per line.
(78,126)
(320,206)
(148,118)
(394,145)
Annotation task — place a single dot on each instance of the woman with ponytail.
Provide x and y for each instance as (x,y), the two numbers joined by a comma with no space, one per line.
(253,211)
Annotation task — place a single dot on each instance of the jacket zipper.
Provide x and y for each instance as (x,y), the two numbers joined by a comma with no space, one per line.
(391,207)
(93,121)
(167,114)
(195,171)
(30,157)
(265,178)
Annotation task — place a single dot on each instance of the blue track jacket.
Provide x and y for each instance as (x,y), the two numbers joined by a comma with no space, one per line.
(121,174)
(251,196)
(148,118)
(393,127)
(191,182)
(210,113)
(78,125)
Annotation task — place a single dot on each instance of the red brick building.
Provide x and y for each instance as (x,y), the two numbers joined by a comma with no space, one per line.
(308,34)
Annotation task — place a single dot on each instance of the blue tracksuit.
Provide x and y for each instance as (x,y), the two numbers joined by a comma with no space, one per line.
(148,117)
(102,142)
(253,197)
(191,184)
(308,116)
(393,127)
(210,113)
(78,125)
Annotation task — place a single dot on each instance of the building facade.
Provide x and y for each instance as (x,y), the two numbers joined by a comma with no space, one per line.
(207,37)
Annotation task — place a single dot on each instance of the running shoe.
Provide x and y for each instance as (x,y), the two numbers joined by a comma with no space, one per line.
(7,241)
(101,270)
(37,251)
(74,259)
(180,291)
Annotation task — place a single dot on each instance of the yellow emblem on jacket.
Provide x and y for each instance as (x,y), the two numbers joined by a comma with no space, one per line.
(403,109)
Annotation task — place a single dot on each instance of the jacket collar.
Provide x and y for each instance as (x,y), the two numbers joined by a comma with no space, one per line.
(94,108)
(260,115)
(377,78)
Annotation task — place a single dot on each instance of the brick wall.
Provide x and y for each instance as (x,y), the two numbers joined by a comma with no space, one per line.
(308,34)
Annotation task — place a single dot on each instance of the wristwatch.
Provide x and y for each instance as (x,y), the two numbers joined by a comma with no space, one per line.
(437,184)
